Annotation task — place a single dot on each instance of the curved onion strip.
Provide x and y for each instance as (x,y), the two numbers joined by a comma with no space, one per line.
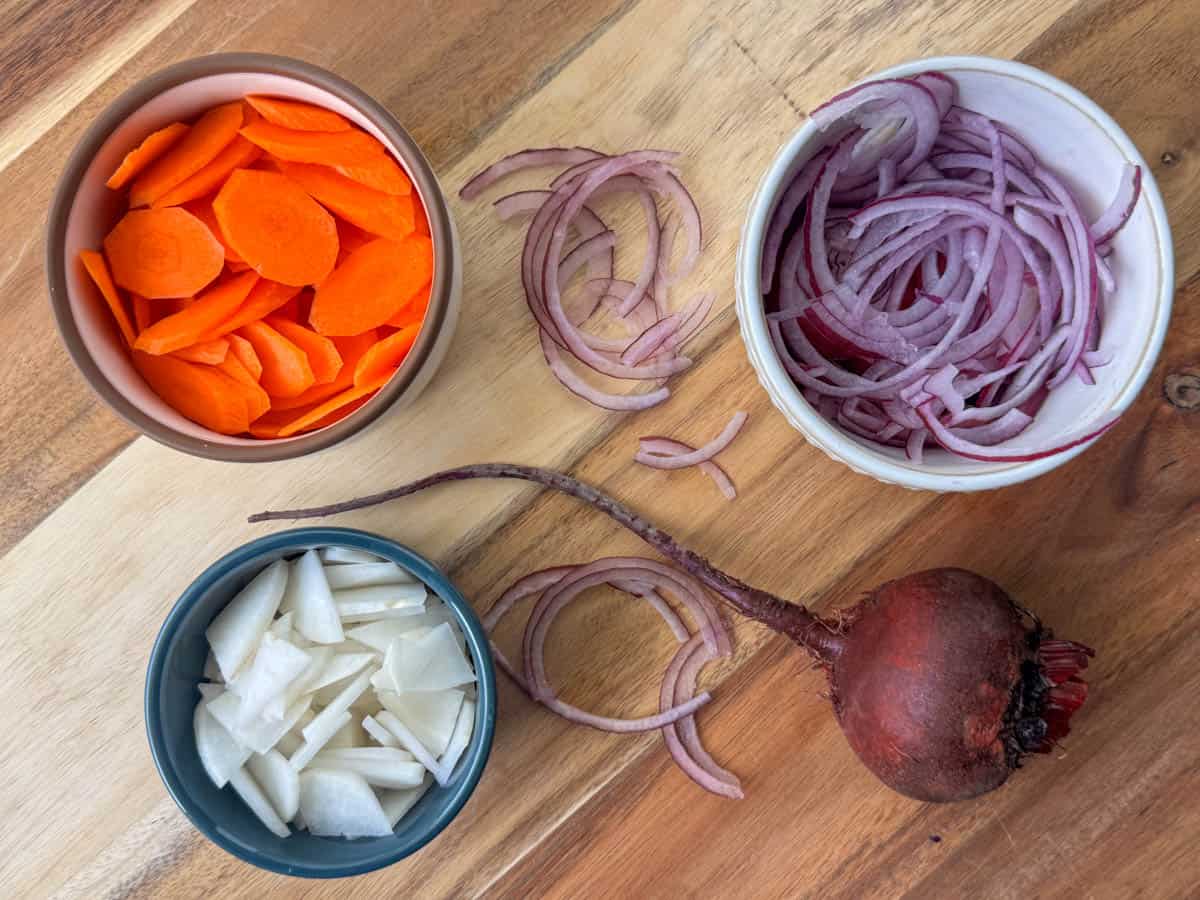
(662,446)
(526,159)
(703,454)
(1114,218)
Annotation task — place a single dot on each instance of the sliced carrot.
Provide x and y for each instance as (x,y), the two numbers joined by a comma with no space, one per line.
(353,147)
(385,356)
(351,350)
(163,253)
(322,355)
(93,262)
(143,315)
(208,137)
(237,154)
(257,400)
(333,404)
(202,210)
(210,353)
(154,146)
(275,226)
(164,308)
(414,309)
(194,323)
(201,393)
(237,266)
(297,115)
(386,215)
(372,285)
(382,173)
(286,369)
(242,350)
(264,298)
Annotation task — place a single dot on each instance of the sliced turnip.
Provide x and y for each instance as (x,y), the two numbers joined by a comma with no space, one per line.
(379,635)
(461,739)
(308,594)
(282,627)
(340,667)
(372,727)
(432,662)
(319,657)
(374,614)
(320,737)
(254,797)
(276,665)
(289,743)
(367,575)
(337,706)
(408,740)
(396,803)
(349,736)
(336,555)
(261,734)
(278,780)
(238,628)
(336,803)
(220,754)
(381,766)
(379,597)
(430,715)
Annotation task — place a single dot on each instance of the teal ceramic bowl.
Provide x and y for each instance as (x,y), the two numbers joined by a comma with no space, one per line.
(176,663)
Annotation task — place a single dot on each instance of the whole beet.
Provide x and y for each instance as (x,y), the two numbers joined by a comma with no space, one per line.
(941,683)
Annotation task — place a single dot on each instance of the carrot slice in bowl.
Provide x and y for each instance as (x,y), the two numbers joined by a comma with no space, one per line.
(382,173)
(297,115)
(210,353)
(286,369)
(276,227)
(93,262)
(414,309)
(352,147)
(154,146)
(193,323)
(161,253)
(257,400)
(264,298)
(333,404)
(240,152)
(143,316)
(202,210)
(385,356)
(322,355)
(203,394)
(208,137)
(385,215)
(372,285)
(351,350)
(243,351)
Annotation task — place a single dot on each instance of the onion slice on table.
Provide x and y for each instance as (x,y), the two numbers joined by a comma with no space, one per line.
(678,700)
(927,278)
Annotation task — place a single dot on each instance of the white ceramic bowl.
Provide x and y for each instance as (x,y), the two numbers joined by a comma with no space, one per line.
(1088,150)
(84,210)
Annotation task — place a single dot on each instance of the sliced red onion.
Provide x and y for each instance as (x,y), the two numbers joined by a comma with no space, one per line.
(526,159)
(661,446)
(703,454)
(937,269)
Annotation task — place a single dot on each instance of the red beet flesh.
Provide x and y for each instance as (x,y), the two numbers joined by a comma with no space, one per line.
(940,681)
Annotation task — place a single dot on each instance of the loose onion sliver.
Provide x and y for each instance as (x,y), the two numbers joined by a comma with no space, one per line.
(707,452)
(662,446)
(526,159)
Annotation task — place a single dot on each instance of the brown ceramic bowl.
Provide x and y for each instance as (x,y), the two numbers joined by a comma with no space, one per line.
(84,210)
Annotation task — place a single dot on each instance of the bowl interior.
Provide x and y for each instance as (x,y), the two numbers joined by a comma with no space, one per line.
(95,209)
(1087,149)
(176,666)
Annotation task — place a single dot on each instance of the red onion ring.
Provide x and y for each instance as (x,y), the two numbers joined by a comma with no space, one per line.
(662,446)
(695,457)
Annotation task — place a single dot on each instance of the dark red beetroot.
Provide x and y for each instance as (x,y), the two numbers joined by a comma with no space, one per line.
(940,681)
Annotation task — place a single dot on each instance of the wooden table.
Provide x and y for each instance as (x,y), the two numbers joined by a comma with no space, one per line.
(102,532)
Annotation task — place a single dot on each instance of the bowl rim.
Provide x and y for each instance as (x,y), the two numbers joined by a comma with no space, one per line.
(824,434)
(415,162)
(476,756)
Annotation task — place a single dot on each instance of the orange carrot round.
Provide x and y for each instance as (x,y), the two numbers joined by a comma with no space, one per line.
(264,298)
(351,350)
(145,153)
(276,227)
(385,357)
(322,355)
(210,353)
(240,152)
(93,262)
(332,405)
(208,137)
(382,173)
(193,323)
(342,148)
(202,210)
(201,393)
(163,253)
(286,369)
(297,115)
(243,351)
(372,285)
(385,215)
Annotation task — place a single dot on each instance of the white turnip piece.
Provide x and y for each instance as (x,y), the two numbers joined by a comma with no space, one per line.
(309,596)
(408,740)
(319,738)
(282,627)
(366,575)
(396,803)
(276,665)
(459,741)
(372,727)
(238,628)
(341,555)
(432,662)
(341,667)
(337,803)
(361,600)
(349,736)
(338,705)
(430,715)
(380,766)
(260,734)
(248,789)
(220,754)
(379,635)
(278,780)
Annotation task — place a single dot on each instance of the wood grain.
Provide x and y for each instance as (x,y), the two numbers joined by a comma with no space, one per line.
(1104,548)
(472,63)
